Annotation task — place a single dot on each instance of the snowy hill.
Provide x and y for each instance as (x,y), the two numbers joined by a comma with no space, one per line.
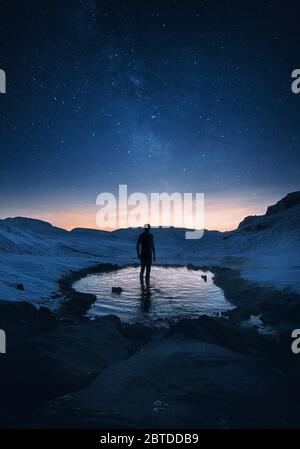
(36,254)
(285,212)
(275,233)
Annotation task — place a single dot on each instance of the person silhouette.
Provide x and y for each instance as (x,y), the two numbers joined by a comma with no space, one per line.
(146,244)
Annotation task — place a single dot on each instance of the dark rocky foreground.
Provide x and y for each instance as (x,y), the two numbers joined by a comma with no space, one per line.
(61,370)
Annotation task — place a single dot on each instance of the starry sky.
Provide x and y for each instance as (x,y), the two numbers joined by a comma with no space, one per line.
(169,95)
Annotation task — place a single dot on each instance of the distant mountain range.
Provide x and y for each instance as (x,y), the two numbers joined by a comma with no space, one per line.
(279,226)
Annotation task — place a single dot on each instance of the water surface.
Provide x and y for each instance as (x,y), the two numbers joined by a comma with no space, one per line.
(173,293)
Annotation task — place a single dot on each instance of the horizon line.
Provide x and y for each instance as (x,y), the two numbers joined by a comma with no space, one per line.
(111,229)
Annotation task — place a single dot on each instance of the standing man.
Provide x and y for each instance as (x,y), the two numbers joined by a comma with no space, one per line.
(146,243)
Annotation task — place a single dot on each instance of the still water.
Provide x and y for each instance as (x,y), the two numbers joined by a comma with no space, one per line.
(173,293)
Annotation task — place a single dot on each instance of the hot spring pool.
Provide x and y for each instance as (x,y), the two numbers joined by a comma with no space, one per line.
(173,293)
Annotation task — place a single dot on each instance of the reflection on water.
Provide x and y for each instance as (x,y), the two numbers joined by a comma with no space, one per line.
(173,293)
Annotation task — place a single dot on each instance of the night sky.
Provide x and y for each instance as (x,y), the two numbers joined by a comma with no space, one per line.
(175,96)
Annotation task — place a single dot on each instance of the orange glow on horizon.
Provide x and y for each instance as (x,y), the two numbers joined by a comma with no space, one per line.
(218,215)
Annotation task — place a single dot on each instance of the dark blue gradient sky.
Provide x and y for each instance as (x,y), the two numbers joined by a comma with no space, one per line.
(188,96)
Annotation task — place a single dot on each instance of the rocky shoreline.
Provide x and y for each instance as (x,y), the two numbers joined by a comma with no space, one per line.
(63,370)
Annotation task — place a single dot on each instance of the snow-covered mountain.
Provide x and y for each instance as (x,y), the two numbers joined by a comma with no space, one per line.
(36,254)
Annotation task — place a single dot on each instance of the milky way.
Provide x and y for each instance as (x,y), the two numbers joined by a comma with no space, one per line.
(188,96)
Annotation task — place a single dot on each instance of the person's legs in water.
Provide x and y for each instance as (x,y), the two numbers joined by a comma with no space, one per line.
(146,261)
(148,268)
(143,266)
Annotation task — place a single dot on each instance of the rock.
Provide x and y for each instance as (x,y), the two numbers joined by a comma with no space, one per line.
(20,287)
(77,305)
(17,310)
(45,314)
(220,331)
(117,290)
(247,221)
(137,332)
(62,360)
(191,266)
(21,319)
(204,277)
(286,308)
(176,382)
(290,200)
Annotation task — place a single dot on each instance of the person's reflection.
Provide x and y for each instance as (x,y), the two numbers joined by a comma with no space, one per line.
(145,296)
